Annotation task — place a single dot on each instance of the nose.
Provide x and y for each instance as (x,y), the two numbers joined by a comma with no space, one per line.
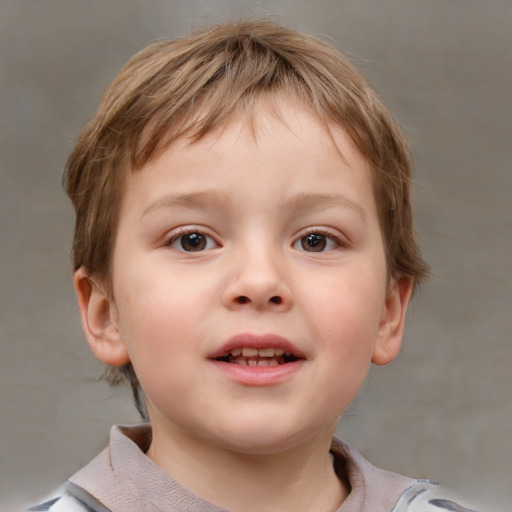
(259,282)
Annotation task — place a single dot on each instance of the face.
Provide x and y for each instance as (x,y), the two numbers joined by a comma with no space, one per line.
(249,283)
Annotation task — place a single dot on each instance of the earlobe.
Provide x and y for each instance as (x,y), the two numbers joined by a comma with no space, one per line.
(99,320)
(389,340)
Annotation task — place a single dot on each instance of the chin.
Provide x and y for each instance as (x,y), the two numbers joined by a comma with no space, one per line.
(263,446)
(265,438)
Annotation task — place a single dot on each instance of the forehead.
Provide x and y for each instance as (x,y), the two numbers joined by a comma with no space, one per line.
(282,147)
(251,116)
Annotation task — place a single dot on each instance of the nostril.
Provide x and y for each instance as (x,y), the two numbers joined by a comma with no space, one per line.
(244,299)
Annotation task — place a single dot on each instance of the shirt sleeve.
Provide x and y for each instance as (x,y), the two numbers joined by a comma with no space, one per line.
(427,496)
(70,498)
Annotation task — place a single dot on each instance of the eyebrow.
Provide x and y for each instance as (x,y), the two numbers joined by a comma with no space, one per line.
(177,200)
(213,198)
(310,200)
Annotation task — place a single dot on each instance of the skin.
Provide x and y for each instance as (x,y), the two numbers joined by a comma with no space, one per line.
(255,197)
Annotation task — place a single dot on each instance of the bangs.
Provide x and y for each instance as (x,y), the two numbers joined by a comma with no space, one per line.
(181,89)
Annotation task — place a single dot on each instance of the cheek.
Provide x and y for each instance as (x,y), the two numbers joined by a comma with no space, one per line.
(154,326)
(153,298)
(346,318)
(349,338)
(162,321)
(348,308)
(156,336)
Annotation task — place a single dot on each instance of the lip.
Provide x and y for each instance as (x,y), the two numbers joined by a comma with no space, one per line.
(257,341)
(258,375)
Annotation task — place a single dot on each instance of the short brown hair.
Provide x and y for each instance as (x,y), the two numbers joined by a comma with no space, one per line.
(189,87)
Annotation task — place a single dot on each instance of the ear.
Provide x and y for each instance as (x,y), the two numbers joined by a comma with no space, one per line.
(391,329)
(99,320)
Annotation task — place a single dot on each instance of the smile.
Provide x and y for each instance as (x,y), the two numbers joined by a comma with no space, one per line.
(250,356)
(253,359)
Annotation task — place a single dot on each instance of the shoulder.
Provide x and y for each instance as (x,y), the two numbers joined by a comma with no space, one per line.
(377,489)
(428,496)
(70,498)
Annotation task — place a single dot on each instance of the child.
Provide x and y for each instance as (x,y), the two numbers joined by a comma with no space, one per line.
(244,249)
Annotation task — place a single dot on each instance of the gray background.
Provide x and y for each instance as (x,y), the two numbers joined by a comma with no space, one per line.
(444,67)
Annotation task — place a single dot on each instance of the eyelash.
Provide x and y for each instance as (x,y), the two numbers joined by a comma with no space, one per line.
(182,232)
(328,236)
(205,242)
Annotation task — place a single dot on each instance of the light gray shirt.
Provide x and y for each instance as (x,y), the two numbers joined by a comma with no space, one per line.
(123,479)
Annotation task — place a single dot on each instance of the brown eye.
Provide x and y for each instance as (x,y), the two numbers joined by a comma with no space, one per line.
(314,242)
(193,242)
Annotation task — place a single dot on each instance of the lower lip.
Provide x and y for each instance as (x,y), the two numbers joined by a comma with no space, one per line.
(259,375)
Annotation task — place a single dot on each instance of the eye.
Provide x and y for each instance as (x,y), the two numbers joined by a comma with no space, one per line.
(317,242)
(193,241)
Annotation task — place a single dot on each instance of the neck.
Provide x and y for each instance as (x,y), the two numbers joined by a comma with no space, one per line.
(300,479)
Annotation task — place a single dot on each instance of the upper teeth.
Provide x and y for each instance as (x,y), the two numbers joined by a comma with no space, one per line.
(258,352)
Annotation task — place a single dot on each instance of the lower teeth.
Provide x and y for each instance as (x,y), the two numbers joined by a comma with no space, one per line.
(257,361)
(254,362)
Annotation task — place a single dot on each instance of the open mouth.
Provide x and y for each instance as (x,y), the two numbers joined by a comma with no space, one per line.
(248,356)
